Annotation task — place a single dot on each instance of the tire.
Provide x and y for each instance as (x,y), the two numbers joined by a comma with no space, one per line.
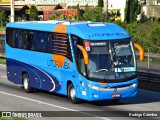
(72,94)
(26,85)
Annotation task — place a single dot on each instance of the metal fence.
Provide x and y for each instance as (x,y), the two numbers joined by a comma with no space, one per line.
(2,46)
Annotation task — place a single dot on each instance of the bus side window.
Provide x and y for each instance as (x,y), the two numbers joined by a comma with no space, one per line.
(10,37)
(42,42)
(22,39)
(30,41)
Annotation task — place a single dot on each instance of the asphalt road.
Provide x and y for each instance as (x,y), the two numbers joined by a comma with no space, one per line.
(13,98)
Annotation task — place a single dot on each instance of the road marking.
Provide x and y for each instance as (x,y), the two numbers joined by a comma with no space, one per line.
(3,65)
(4,77)
(49,104)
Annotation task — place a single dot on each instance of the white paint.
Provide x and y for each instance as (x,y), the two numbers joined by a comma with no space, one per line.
(2,65)
(49,104)
(4,77)
(84,93)
(49,78)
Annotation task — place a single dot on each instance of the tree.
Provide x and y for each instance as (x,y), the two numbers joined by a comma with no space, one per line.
(79,12)
(132,9)
(155,39)
(53,17)
(33,13)
(2,17)
(95,14)
(100,3)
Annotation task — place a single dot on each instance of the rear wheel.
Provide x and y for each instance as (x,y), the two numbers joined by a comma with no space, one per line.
(72,94)
(26,85)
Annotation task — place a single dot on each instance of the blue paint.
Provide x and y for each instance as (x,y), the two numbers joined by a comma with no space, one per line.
(41,67)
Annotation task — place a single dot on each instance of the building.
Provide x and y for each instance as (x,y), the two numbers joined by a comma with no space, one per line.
(151,8)
(44,7)
(114,6)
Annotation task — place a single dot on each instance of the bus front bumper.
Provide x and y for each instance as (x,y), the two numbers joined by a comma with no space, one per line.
(96,94)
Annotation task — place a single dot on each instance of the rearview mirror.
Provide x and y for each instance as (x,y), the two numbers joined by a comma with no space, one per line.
(140,50)
(85,54)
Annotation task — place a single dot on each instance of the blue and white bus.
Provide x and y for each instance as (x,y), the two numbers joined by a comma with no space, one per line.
(84,60)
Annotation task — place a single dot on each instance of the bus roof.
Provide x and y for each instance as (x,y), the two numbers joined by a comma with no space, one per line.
(83,29)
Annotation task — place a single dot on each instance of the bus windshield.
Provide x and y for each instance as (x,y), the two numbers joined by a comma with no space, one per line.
(110,60)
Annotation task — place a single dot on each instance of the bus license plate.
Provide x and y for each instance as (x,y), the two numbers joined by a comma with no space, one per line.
(116,95)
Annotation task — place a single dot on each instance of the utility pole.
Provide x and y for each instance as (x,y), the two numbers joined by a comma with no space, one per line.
(12,10)
(106,9)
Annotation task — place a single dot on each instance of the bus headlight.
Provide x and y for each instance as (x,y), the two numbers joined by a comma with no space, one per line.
(134,85)
(93,87)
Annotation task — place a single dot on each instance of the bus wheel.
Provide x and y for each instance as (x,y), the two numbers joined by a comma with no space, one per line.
(26,86)
(72,94)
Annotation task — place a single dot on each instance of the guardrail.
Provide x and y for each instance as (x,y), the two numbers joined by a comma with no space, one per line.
(2,46)
(150,77)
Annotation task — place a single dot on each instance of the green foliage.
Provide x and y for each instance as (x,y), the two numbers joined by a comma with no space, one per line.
(79,13)
(144,18)
(100,3)
(12,118)
(33,13)
(2,18)
(53,17)
(2,15)
(2,61)
(155,39)
(132,9)
(145,34)
(95,14)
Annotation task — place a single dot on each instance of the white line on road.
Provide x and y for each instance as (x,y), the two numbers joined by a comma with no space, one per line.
(138,89)
(2,65)
(49,104)
(4,76)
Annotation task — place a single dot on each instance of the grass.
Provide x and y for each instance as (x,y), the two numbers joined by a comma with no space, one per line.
(2,28)
(12,118)
(2,61)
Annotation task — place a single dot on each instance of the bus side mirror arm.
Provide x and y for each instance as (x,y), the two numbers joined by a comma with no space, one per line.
(85,54)
(140,50)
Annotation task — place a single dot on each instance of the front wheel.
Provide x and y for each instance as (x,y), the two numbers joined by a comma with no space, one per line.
(72,94)
(26,85)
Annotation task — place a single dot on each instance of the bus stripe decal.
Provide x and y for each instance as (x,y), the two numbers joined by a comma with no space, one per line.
(33,72)
(48,77)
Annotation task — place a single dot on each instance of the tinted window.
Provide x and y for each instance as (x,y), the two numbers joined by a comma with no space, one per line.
(29,40)
(22,39)
(10,37)
(42,42)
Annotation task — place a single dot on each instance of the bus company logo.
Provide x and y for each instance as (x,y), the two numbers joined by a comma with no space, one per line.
(6,114)
(106,34)
(117,47)
(59,64)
